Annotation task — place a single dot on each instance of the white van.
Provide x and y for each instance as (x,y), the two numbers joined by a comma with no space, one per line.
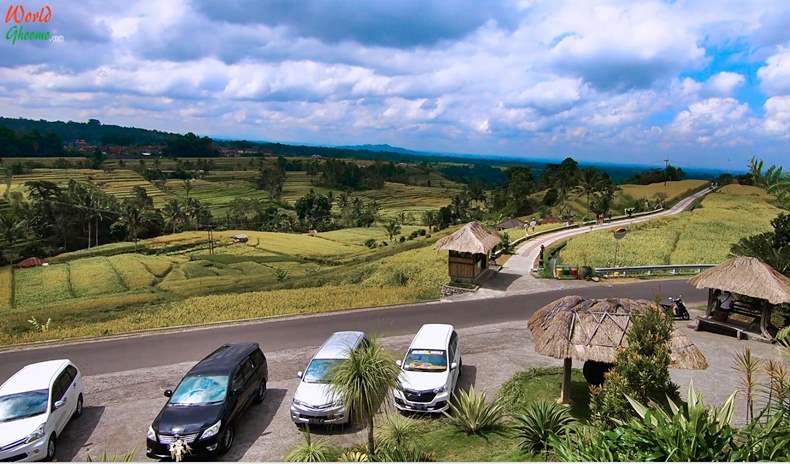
(314,401)
(429,371)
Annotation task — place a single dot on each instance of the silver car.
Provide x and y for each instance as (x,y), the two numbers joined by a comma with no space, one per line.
(314,402)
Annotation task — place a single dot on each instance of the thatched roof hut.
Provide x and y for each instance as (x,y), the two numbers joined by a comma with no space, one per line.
(588,329)
(512,223)
(471,238)
(746,276)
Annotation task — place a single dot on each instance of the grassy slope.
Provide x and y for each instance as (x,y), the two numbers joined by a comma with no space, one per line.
(6,288)
(703,235)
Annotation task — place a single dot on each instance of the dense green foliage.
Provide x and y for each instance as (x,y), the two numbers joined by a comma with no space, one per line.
(540,422)
(472,414)
(772,247)
(309,451)
(652,176)
(31,143)
(641,370)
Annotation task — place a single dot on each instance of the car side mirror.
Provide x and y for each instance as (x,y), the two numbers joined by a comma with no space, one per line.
(299,374)
(168,393)
(59,404)
(453,366)
(399,363)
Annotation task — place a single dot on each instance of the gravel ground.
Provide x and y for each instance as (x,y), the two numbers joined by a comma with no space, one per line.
(120,406)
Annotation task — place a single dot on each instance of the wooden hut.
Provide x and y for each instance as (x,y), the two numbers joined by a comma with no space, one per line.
(593,330)
(469,247)
(512,223)
(749,277)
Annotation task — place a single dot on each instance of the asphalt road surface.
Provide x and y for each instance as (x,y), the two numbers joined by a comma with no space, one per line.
(104,356)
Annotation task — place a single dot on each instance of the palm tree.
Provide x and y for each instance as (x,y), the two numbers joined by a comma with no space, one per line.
(174,215)
(589,183)
(364,382)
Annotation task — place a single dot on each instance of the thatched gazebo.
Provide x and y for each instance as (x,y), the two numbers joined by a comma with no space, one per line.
(469,249)
(743,275)
(573,327)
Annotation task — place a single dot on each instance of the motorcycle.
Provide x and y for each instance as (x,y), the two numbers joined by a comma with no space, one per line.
(676,308)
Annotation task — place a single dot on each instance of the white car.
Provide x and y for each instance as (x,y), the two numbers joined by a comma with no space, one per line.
(429,371)
(36,403)
(314,401)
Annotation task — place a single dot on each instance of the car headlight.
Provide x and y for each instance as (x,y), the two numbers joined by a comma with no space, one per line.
(441,389)
(37,434)
(300,403)
(151,434)
(211,431)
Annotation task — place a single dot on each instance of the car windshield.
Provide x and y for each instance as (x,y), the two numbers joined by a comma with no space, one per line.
(22,405)
(200,389)
(425,360)
(319,370)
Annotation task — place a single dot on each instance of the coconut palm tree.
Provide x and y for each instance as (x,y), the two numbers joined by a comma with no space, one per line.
(174,214)
(364,382)
(589,183)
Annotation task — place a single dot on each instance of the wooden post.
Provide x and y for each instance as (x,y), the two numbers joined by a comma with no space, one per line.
(565,395)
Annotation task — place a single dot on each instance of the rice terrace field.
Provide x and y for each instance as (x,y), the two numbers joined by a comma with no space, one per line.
(700,236)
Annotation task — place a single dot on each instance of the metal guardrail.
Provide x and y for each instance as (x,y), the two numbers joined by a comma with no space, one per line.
(660,269)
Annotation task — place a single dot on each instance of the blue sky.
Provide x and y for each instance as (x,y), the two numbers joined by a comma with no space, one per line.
(703,83)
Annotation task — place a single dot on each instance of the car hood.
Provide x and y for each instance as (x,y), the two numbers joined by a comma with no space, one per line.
(421,381)
(187,419)
(16,430)
(314,394)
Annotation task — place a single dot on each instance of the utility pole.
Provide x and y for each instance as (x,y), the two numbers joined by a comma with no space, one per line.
(666,172)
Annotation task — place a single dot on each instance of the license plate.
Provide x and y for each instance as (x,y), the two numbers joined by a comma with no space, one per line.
(421,407)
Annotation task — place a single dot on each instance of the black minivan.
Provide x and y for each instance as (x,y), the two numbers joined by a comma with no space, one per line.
(203,408)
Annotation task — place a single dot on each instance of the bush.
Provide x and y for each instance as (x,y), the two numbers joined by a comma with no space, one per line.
(398,440)
(470,413)
(309,451)
(421,232)
(541,421)
(401,239)
(354,456)
(641,370)
(370,243)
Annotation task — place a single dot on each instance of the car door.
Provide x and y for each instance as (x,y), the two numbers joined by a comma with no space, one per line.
(73,391)
(60,415)
(237,396)
(454,356)
(251,380)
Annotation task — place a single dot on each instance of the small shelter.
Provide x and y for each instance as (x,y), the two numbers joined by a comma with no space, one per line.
(511,223)
(469,247)
(30,262)
(750,277)
(593,330)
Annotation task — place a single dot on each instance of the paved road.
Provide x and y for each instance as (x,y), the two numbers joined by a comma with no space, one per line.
(166,348)
(516,275)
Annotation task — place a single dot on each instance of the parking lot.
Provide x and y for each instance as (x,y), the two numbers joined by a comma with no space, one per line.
(120,406)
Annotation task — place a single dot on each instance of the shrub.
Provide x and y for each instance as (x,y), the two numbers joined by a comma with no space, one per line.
(641,369)
(421,232)
(541,421)
(470,413)
(370,243)
(309,451)
(398,440)
(401,239)
(354,456)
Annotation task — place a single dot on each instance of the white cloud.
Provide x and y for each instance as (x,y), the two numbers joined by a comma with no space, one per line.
(777,116)
(775,75)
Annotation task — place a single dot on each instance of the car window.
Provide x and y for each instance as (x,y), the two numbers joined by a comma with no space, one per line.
(238,379)
(23,405)
(257,357)
(72,372)
(453,345)
(320,370)
(200,389)
(425,360)
(61,385)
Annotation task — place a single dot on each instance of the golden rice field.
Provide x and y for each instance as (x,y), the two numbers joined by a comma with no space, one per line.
(701,236)
(6,288)
(673,190)
(396,198)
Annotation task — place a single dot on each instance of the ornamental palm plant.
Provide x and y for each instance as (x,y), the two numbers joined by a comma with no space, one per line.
(363,382)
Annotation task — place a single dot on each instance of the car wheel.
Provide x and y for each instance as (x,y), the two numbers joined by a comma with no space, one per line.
(261,393)
(51,448)
(78,409)
(227,439)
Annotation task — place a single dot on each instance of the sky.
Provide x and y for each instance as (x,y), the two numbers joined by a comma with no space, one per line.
(703,83)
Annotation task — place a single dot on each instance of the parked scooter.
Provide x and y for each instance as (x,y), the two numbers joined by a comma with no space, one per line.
(676,308)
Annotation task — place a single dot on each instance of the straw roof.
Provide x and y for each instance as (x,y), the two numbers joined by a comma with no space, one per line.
(471,238)
(746,276)
(510,224)
(590,329)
